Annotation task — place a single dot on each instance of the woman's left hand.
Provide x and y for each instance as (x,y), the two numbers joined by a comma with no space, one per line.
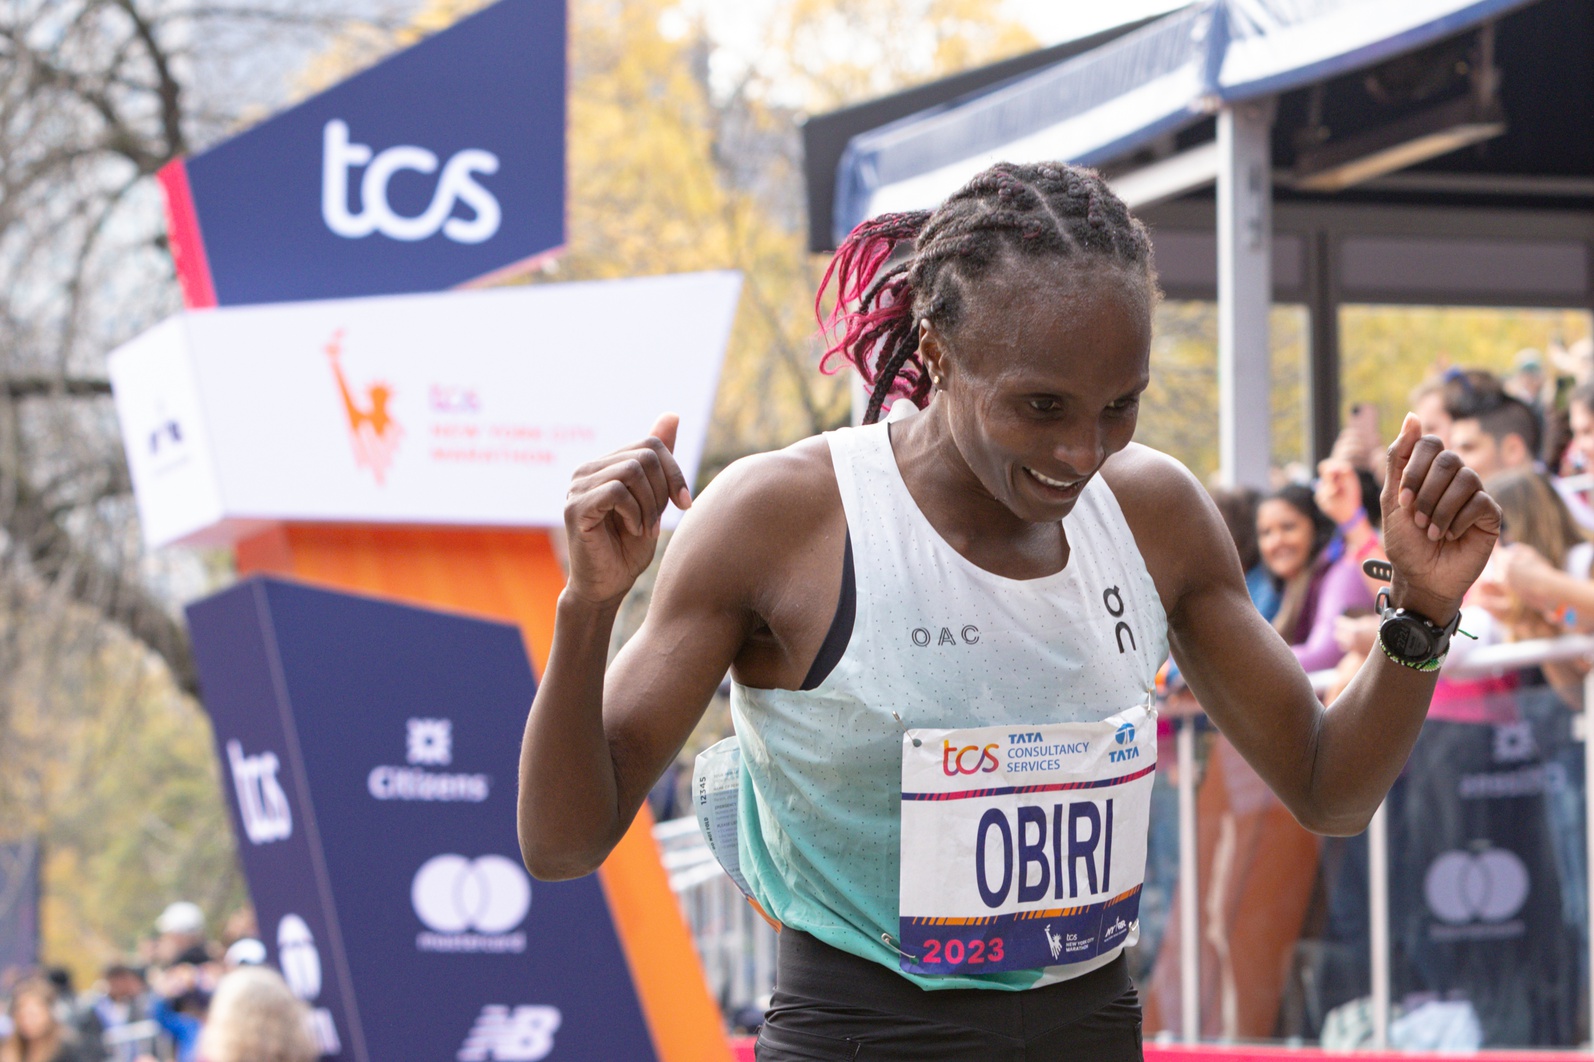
(1526,571)
(1439,525)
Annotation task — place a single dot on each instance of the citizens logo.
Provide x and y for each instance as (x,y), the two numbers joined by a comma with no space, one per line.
(1513,743)
(457,184)
(502,1034)
(301,968)
(471,905)
(372,429)
(427,743)
(969,759)
(431,741)
(262,804)
(1477,895)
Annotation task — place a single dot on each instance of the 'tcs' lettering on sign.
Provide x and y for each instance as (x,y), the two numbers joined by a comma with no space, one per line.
(458,183)
(1081,852)
(262,804)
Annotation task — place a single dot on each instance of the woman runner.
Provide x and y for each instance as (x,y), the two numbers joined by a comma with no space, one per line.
(943,631)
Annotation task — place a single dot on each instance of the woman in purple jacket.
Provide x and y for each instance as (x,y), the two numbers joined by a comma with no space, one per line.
(1318,580)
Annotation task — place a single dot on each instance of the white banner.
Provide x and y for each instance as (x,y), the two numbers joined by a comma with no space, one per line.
(464,408)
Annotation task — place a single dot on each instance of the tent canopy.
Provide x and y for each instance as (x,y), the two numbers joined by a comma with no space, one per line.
(1156,86)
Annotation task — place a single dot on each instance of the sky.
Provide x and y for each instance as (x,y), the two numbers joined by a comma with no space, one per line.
(1055,21)
(737,26)
(1052,21)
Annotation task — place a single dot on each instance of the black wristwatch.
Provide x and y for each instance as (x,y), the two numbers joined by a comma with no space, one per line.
(1412,640)
(1409,639)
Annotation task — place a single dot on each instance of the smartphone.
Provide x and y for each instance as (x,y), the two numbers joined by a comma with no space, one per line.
(1364,417)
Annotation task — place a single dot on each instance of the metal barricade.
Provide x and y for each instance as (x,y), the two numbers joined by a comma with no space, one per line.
(735,944)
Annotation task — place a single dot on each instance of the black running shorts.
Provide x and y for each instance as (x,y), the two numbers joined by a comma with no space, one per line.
(829,1006)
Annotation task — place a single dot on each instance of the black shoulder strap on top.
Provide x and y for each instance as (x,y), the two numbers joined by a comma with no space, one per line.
(840,633)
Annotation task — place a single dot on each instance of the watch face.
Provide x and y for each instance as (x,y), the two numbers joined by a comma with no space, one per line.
(1407,638)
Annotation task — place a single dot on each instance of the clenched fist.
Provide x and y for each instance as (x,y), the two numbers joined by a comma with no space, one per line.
(1439,525)
(613,510)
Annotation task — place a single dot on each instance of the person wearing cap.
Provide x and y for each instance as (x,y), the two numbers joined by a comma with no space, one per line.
(245,952)
(182,989)
(182,935)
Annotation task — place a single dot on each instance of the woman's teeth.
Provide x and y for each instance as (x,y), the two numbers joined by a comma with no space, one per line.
(1050,482)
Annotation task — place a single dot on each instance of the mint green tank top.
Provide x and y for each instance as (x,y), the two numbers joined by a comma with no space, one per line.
(936,642)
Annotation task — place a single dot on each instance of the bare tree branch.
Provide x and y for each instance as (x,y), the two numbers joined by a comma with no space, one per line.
(54,387)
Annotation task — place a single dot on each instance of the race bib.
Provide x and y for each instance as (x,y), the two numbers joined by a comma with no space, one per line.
(1023,847)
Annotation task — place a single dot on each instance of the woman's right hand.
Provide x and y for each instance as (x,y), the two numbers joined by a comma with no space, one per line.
(613,510)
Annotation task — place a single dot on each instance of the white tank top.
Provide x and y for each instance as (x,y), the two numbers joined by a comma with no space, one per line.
(937,642)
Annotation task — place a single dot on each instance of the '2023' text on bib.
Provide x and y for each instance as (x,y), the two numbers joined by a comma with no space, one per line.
(1023,846)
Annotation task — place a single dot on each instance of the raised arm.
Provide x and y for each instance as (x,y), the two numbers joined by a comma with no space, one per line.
(1330,767)
(739,586)
(592,749)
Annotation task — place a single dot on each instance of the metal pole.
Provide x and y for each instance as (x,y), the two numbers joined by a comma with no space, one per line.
(1245,291)
(1378,918)
(1189,889)
(1322,408)
(1580,729)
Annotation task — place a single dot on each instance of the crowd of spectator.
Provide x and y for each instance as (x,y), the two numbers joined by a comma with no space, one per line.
(186,999)
(1496,768)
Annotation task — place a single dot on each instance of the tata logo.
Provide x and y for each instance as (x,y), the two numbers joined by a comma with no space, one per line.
(471,905)
(262,804)
(956,761)
(457,184)
(502,1034)
(1124,738)
(1024,739)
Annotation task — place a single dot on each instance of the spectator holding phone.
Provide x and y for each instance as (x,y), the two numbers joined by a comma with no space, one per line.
(1317,583)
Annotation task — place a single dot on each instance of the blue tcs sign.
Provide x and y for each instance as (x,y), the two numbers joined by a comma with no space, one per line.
(442,165)
(369,754)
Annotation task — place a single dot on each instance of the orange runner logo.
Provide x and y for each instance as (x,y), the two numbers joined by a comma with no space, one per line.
(372,430)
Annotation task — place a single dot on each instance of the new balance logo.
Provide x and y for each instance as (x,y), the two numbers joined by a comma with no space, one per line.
(524,1034)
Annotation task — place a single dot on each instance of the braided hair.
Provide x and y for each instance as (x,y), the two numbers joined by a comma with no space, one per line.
(1034,210)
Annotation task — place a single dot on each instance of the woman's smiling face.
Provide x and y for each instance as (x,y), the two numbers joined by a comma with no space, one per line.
(1284,534)
(1042,376)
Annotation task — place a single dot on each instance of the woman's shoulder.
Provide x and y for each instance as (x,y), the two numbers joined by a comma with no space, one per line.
(760,514)
(1158,495)
(787,483)
(1176,526)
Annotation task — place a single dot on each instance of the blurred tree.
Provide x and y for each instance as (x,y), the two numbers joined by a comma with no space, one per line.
(1389,350)
(102,750)
(1179,413)
(825,54)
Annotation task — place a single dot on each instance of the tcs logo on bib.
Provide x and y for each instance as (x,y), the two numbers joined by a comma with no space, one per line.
(458,183)
(955,760)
